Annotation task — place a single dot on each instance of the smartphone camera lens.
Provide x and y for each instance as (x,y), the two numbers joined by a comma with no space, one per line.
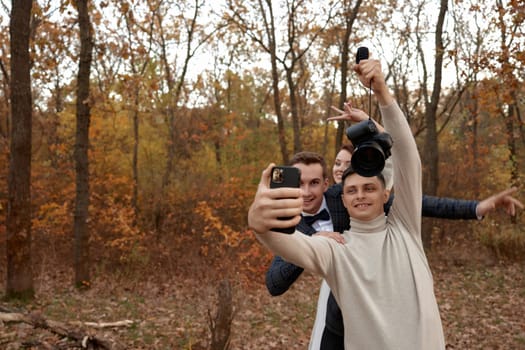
(277,175)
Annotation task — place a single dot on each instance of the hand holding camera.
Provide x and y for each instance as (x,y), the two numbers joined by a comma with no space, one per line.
(372,144)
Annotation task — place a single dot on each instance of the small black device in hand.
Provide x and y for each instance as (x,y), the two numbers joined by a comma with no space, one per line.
(362,54)
(285,176)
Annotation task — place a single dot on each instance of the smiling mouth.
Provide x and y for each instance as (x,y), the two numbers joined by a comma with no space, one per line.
(362,205)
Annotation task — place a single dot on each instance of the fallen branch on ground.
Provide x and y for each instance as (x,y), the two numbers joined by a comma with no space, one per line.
(99,325)
(68,330)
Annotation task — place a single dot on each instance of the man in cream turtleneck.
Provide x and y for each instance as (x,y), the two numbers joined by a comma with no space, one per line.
(380,276)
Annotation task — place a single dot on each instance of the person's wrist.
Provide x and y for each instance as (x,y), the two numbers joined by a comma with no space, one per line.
(478,215)
(385,101)
(383,96)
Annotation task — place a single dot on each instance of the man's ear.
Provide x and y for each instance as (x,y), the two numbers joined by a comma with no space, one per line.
(387,195)
(343,200)
(326,184)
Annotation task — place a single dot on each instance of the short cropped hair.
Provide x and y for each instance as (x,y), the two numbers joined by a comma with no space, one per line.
(308,158)
(350,171)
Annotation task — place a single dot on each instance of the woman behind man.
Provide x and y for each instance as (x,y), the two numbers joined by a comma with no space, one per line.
(342,162)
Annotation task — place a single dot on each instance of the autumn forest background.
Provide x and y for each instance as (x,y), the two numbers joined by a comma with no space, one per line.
(133,135)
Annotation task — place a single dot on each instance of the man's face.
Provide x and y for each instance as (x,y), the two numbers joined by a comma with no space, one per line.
(313,185)
(364,197)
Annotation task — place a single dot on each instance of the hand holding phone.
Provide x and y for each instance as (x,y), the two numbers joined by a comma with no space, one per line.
(285,176)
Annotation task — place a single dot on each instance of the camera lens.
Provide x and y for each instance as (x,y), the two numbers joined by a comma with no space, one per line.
(368,159)
(277,175)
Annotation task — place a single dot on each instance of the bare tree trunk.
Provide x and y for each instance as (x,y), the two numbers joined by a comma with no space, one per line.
(292,88)
(18,223)
(472,126)
(5,124)
(509,104)
(431,144)
(292,59)
(272,50)
(329,93)
(350,17)
(81,229)
(509,117)
(220,325)
(138,72)
(277,108)
(511,144)
(269,45)
(431,154)
(175,90)
(135,159)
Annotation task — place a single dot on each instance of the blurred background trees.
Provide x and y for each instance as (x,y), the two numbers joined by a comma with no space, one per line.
(189,100)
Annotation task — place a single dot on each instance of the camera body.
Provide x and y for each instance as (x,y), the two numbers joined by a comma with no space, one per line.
(371,148)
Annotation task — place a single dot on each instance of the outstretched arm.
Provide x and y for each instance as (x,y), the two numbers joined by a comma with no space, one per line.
(443,208)
(449,208)
(503,199)
(462,209)
(405,156)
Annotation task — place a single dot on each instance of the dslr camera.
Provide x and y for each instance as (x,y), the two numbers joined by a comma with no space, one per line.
(371,148)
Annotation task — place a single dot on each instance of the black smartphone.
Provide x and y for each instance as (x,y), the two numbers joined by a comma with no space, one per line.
(285,176)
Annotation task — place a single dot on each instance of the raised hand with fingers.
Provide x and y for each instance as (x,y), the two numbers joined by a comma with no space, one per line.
(354,115)
(503,199)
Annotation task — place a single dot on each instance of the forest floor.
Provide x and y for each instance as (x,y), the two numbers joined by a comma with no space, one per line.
(482,303)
